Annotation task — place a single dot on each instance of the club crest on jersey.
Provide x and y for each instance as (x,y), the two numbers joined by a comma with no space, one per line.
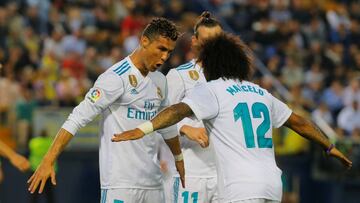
(94,95)
(159,93)
(194,75)
(133,80)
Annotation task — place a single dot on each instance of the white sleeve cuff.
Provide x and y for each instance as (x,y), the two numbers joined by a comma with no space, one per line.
(193,106)
(169,132)
(70,126)
(284,118)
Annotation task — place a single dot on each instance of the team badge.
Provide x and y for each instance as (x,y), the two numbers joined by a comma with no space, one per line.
(133,80)
(159,93)
(94,95)
(194,75)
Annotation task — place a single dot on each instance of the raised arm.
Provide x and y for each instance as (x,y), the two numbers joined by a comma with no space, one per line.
(309,131)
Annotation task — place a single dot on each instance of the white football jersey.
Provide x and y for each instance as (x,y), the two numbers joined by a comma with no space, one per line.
(239,117)
(199,162)
(125,99)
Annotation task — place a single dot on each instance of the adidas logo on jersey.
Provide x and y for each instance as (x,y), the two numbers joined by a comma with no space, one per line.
(133,91)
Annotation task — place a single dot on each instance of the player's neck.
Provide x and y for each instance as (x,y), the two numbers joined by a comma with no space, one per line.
(197,62)
(136,59)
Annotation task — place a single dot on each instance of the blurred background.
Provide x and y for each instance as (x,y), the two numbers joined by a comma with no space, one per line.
(52,51)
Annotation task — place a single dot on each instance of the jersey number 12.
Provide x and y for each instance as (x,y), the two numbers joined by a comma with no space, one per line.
(259,110)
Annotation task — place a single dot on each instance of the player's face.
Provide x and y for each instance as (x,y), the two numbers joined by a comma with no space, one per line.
(157,51)
(204,33)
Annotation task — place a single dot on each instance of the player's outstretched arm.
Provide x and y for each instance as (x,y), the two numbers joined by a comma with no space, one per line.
(46,167)
(308,130)
(169,116)
(17,160)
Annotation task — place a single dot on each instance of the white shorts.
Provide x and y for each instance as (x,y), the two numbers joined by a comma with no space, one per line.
(130,195)
(256,200)
(197,190)
(168,188)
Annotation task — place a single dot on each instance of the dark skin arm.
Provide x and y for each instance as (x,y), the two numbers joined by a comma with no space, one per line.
(309,131)
(174,145)
(172,115)
(303,127)
(165,118)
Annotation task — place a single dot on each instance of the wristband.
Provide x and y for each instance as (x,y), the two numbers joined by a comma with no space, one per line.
(146,127)
(179,157)
(329,149)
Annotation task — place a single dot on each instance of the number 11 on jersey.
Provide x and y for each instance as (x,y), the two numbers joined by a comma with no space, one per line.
(194,197)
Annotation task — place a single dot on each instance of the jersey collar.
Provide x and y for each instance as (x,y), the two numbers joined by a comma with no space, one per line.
(134,69)
(197,66)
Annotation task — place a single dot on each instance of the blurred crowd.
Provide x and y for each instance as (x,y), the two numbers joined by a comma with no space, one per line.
(51,51)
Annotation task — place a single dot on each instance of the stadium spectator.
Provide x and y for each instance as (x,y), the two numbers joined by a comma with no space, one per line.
(349,118)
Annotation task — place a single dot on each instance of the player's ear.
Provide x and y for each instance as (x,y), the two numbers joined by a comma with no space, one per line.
(193,39)
(144,42)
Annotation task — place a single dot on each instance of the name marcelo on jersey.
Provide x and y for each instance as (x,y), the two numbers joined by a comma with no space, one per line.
(236,88)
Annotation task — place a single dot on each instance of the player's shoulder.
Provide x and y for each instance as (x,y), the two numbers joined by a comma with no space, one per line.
(245,82)
(216,83)
(186,71)
(121,68)
(157,75)
(113,75)
(186,66)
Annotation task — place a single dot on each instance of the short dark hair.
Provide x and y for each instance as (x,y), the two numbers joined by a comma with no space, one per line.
(162,27)
(205,20)
(226,56)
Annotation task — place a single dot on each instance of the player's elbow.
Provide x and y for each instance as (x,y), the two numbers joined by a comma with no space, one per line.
(182,110)
(297,123)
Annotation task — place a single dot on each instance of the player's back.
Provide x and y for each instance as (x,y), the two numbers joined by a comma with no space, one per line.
(242,135)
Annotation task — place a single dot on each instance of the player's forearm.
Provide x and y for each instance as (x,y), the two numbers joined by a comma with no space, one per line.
(174,145)
(61,140)
(6,151)
(171,115)
(308,130)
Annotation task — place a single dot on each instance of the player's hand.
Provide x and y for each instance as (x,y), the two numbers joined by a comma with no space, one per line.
(40,176)
(164,166)
(198,135)
(340,156)
(128,135)
(20,162)
(181,169)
